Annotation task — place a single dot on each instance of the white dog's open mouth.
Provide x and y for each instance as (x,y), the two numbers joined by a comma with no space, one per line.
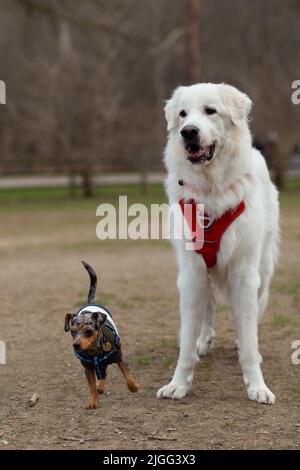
(198,154)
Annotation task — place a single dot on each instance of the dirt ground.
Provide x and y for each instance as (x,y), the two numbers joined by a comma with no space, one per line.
(42,278)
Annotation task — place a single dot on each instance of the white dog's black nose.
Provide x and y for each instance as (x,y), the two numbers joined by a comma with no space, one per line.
(189,132)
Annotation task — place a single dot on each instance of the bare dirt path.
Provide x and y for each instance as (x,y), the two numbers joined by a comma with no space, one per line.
(42,278)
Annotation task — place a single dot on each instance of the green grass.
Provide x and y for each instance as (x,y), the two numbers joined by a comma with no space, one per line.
(280,321)
(105,298)
(138,298)
(90,245)
(290,197)
(141,360)
(289,288)
(59,198)
(205,365)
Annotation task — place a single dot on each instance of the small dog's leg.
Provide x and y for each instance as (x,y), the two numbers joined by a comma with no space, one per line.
(133,387)
(102,384)
(94,400)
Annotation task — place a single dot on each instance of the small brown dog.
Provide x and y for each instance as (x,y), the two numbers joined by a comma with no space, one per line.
(96,343)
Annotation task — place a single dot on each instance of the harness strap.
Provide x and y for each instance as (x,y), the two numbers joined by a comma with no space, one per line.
(211,232)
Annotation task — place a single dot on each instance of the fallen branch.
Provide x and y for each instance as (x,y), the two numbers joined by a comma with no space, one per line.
(162,438)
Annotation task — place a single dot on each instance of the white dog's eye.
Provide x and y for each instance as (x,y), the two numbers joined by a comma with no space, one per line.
(182,113)
(210,110)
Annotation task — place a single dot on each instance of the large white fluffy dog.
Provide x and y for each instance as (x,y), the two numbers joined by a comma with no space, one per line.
(210,160)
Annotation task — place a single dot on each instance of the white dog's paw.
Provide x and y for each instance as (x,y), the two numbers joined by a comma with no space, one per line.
(261,395)
(204,343)
(172,390)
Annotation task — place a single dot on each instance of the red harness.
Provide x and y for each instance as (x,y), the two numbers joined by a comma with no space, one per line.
(211,231)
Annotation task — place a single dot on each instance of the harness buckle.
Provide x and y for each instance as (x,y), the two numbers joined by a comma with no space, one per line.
(201,218)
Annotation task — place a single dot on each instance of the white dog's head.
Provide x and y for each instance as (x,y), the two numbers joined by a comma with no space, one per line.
(204,119)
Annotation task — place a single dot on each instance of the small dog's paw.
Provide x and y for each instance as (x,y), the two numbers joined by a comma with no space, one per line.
(100,388)
(204,344)
(261,395)
(172,390)
(133,387)
(92,405)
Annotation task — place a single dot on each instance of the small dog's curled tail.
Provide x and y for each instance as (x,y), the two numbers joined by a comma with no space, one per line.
(93,284)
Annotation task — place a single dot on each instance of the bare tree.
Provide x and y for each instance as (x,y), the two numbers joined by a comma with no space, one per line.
(194,40)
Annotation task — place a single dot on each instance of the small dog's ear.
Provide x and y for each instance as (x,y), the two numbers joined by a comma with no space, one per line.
(67,321)
(103,318)
(99,318)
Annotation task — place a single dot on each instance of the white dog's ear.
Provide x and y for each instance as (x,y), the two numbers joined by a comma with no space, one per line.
(171,109)
(238,104)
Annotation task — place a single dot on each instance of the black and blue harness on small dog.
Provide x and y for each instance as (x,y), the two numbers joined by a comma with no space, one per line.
(107,351)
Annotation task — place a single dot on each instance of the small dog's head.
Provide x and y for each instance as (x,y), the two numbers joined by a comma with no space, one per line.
(85,329)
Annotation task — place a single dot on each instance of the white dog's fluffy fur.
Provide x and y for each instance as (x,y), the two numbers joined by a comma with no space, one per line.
(249,247)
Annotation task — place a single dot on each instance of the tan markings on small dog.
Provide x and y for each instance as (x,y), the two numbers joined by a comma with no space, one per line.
(102,384)
(132,386)
(94,400)
(88,342)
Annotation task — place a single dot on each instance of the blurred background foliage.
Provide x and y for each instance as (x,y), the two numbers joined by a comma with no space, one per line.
(86,80)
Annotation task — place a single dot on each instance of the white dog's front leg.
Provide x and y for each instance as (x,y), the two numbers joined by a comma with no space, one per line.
(192,284)
(244,298)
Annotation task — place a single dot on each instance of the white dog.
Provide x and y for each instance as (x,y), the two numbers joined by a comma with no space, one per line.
(210,160)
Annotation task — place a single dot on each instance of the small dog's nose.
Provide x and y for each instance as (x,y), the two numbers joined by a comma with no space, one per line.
(76,346)
(189,132)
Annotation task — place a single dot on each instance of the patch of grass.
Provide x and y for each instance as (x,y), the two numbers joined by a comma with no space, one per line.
(107,297)
(124,304)
(289,288)
(80,302)
(59,198)
(109,244)
(104,298)
(205,365)
(279,321)
(138,298)
(79,246)
(33,194)
(168,362)
(141,360)
(290,196)
(171,343)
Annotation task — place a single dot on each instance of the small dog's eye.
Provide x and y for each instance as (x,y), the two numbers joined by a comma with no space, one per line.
(88,332)
(182,113)
(209,110)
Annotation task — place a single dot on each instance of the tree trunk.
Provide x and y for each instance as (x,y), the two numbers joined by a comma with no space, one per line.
(193,37)
(72,185)
(87,183)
